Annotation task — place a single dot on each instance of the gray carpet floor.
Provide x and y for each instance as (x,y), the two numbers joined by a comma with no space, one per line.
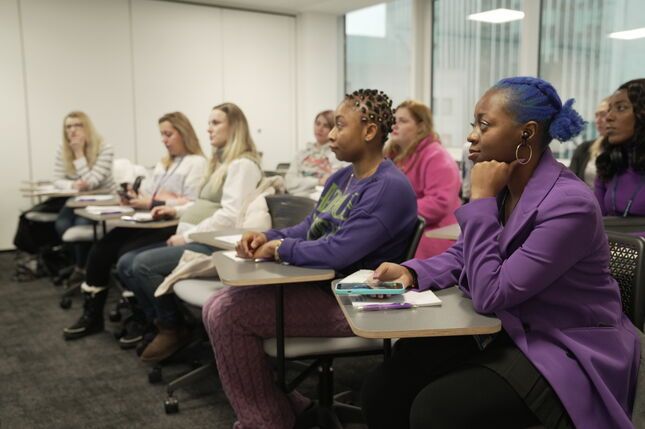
(46,382)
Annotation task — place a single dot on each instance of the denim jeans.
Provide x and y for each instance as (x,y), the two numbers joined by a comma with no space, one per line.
(148,270)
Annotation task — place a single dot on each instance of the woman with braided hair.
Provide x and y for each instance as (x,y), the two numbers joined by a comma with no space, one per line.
(621,165)
(365,216)
(532,252)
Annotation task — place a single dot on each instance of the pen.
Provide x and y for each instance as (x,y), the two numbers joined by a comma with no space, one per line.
(390,306)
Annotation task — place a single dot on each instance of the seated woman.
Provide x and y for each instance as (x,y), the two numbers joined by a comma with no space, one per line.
(313,165)
(533,252)
(175,181)
(415,148)
(84,163)
(621,165)
(366,214)
(583,161)
(234,174)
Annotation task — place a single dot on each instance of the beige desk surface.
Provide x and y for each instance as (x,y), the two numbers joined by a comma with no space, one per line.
(34,192)
(158,224)
(450,232)
(455,316)
(116,221)
(72,203)
(210,238)
(233,273)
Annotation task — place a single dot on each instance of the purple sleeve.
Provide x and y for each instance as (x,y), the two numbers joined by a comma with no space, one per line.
(440,271)
(341,249)
(554,244)
(298,231)
(600,189)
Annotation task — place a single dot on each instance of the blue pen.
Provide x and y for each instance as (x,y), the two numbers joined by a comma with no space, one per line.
(389,306)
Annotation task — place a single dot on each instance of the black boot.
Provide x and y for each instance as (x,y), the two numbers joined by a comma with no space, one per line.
(91,321)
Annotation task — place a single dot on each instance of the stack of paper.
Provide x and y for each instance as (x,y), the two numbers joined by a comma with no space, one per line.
(426,298)
(107,210)
(230,239)
(101,197)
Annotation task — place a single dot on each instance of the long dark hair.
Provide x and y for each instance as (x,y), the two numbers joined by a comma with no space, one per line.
(616,158)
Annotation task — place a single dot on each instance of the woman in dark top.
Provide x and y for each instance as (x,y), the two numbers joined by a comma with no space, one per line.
(620,184)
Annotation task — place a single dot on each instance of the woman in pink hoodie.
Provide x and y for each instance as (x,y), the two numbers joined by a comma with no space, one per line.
(415,148)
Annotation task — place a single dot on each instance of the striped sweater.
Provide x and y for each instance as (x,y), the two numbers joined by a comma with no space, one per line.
(97,176)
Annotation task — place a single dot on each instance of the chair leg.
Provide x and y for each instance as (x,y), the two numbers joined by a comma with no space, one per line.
(190,377)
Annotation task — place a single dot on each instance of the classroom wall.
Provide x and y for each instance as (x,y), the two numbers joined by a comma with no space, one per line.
(320,68)
(127,62)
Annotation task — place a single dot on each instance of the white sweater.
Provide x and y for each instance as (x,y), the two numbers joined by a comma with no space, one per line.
(98,176)
(183,177)
(242,177)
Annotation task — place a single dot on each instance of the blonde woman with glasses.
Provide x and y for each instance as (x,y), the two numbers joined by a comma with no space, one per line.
(84,163)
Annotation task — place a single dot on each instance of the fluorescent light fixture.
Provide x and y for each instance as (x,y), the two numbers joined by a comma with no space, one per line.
(369,21)
(637,33)
(497,16)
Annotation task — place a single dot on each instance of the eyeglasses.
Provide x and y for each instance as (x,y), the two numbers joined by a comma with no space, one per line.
(76,125)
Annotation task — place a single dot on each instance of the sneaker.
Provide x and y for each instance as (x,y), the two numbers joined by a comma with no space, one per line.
(166,343)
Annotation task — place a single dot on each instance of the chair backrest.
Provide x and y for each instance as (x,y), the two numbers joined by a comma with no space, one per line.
(288,210)
(627,266)
(416,238)
(282,166)
(624,224)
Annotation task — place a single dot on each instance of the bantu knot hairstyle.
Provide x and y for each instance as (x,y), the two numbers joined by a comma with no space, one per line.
(375,107)
(533,99)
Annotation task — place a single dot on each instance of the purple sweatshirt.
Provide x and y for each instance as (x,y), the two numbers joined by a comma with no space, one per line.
(356,223)
(614,195)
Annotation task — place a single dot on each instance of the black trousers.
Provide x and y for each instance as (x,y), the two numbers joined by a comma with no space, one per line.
(447,382)
(113,245)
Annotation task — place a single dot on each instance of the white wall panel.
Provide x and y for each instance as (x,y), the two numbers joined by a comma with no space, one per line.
(14,162)
(259,76)
(77,56)
(318,79)
(177,63)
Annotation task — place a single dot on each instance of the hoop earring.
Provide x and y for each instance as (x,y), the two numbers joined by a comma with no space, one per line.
(517,152)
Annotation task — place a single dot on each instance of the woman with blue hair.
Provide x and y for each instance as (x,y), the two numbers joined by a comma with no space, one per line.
(621,165)
(532,252)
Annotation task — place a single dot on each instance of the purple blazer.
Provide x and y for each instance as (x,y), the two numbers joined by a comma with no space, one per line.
(545,275)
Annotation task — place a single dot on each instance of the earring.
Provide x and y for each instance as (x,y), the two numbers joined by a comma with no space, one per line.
(525,137)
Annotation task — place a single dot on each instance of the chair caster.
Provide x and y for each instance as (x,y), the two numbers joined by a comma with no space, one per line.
(115,316)
(65,303)
(155,376)
(171,405)
(118,334)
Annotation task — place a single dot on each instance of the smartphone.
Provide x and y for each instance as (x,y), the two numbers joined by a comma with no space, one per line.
(381,288)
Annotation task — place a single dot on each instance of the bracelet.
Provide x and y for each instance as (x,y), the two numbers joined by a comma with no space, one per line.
(276,253)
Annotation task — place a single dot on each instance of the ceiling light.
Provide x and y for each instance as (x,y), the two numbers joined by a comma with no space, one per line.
(497,16)
(637,33)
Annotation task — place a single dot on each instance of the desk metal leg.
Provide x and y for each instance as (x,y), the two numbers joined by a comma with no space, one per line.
(94,231)
(104,228)
(279,335)
(387,348)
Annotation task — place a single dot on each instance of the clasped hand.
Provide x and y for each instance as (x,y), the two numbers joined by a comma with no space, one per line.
(255,245)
